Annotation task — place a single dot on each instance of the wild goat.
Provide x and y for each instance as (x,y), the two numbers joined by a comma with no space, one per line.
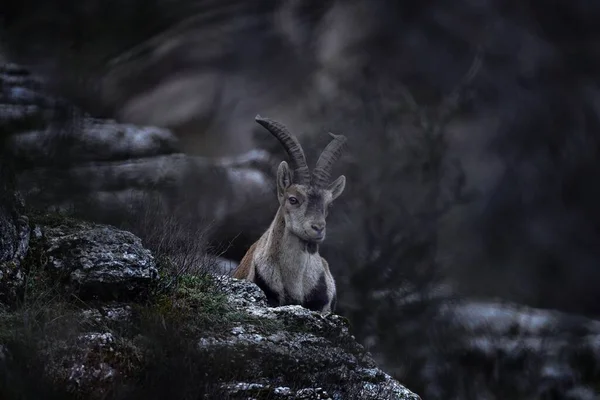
(285,261)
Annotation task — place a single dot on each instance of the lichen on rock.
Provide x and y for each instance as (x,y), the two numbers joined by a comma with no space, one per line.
(293,347)
(91,363)
(97,261)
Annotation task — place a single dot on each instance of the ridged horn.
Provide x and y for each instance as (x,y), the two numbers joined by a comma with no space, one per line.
(328,157)
(291,146)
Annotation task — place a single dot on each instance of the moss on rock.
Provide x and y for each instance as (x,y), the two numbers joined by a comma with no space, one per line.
(49,219)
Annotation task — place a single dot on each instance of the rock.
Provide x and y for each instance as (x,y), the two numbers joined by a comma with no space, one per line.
(301,343)
(11,271)
(126,323)
(94,140)
(21,107)
(113,312)
(97,261)
(239,347)
(459,347)
(104,171)
(90,363)
(110,186)
(46,130)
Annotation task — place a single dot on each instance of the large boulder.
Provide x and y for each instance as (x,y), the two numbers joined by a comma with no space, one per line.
(282,353)
(95,261)
(299,346)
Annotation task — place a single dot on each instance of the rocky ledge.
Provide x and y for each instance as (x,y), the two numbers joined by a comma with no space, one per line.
(100,317)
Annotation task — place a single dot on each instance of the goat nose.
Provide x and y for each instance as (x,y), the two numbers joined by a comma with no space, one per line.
(318,227)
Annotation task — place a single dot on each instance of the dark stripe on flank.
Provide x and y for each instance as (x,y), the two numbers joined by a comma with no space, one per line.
(272,296)
(317,299)
(288,299)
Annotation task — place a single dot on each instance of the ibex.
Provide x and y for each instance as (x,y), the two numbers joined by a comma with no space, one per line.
(285,261)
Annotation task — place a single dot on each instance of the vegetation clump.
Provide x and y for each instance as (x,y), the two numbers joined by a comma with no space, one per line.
(57,345)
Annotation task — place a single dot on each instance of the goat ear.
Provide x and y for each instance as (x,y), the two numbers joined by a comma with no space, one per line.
(337,187)
(284,178)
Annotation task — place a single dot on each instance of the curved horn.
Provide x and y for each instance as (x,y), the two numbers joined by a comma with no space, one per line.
(291,146)
(328,157)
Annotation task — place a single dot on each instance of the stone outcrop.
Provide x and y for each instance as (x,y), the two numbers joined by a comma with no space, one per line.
(103,170)
(96,261)
(464,348)
(284,352)
(14,244)
(281,353)
(318,348)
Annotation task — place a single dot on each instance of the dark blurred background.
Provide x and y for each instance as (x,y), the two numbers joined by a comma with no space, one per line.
(473,160)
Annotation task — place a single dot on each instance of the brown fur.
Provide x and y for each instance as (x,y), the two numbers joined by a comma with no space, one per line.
(244,270)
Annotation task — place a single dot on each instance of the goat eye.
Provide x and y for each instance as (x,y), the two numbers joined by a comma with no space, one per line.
(293,200)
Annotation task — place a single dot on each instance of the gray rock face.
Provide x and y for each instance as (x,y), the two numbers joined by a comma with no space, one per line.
(318,348)
(49,129)
(98,261)
(14,244)
(82,372)
(104,171)
(462,348)
(94,140)
(22,107)
(281,348)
